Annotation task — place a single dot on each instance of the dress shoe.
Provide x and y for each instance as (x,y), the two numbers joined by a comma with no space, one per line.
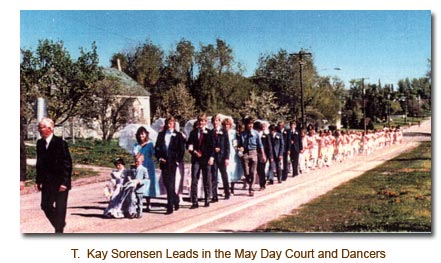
(271,182)
(177,206)
(169,212)
(194,206)
(227,197)
(262,188)
(207,204)
(251,193)
(214,200)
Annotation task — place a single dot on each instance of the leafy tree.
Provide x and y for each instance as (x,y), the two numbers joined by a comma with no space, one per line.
(110,109)
(180,63)
(178,103)
(263,106)
(64,83)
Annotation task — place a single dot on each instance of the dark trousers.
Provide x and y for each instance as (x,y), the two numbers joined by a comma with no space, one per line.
(286,167)
(169,178)
(261,173)
(196,168)
(295,163)
(54,205)
(249,163)
(219,166)
(278,168)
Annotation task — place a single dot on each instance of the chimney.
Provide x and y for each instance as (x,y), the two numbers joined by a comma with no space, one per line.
(118,62)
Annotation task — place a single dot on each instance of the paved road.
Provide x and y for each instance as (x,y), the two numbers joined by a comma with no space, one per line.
(239,214)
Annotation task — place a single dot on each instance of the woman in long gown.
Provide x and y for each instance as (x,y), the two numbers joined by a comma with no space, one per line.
(234,168)
(145,147)
(121,190)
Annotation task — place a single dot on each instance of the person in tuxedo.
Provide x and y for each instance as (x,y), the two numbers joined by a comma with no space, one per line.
(267,147)
(200,146)
(295,146)
(54,172)
(220,158)
(285,135)
(278,150)
(170,150)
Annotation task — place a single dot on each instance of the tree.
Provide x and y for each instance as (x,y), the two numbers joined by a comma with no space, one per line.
(110,109)
(178,103)
(179,64)
(64,83)
(263,106)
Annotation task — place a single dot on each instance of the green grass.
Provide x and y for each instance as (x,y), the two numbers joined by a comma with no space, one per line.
(91,152)
(394,197)
(77,173)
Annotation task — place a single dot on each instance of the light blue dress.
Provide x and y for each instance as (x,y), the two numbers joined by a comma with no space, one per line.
(234,169)
(148,150)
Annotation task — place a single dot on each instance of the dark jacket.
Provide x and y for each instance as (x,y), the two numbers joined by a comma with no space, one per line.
(278,145)
(176,149)
(54,164)
(220,140)
(204,146)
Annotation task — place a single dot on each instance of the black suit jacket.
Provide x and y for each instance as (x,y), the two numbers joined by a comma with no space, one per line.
(295,142)
(175,152)
(267,146)
(220,140)
(205,147)
(54,164)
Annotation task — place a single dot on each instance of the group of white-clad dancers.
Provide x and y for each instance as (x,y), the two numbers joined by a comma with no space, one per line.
(249,152)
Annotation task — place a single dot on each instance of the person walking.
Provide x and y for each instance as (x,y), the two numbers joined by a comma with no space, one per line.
(170,150)
(54,172)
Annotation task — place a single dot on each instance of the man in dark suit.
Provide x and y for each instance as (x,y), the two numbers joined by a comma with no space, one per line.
(285,135)
(295,147)
(170,150)
(221,155)
(268,149)
(54,171)
(278,150)
(200,146)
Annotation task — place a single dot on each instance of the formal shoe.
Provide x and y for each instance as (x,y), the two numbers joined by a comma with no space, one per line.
(177,206)
(271,182)
(251,193)
(214,200)
(227,197)
(207,204)
(262,188)
(232,191)
(169,211)
(194,206)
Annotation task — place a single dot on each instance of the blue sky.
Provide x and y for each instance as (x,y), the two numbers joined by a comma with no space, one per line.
(378,45)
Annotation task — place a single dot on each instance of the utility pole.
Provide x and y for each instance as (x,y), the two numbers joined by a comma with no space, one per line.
(364,103)
(301,55)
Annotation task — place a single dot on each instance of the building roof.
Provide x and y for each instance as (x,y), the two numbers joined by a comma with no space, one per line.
(129,86)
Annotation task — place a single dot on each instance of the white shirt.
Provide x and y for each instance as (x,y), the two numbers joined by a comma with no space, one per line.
(167,138)
(48,140)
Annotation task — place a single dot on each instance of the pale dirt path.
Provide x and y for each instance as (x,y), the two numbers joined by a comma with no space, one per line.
(239,214)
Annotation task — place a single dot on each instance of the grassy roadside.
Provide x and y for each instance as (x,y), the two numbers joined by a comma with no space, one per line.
(394,197)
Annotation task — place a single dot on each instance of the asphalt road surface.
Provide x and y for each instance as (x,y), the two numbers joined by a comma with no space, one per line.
(240,213)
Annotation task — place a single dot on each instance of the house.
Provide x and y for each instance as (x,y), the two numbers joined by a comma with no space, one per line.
(140,112)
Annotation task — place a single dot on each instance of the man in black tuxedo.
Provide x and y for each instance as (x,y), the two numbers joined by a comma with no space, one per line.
(54,171)
(278,145)
(221,155)
(170,150)
(295,147)
(285,135)
(200,146)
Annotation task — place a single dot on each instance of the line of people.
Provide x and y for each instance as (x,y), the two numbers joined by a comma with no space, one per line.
(254,152)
